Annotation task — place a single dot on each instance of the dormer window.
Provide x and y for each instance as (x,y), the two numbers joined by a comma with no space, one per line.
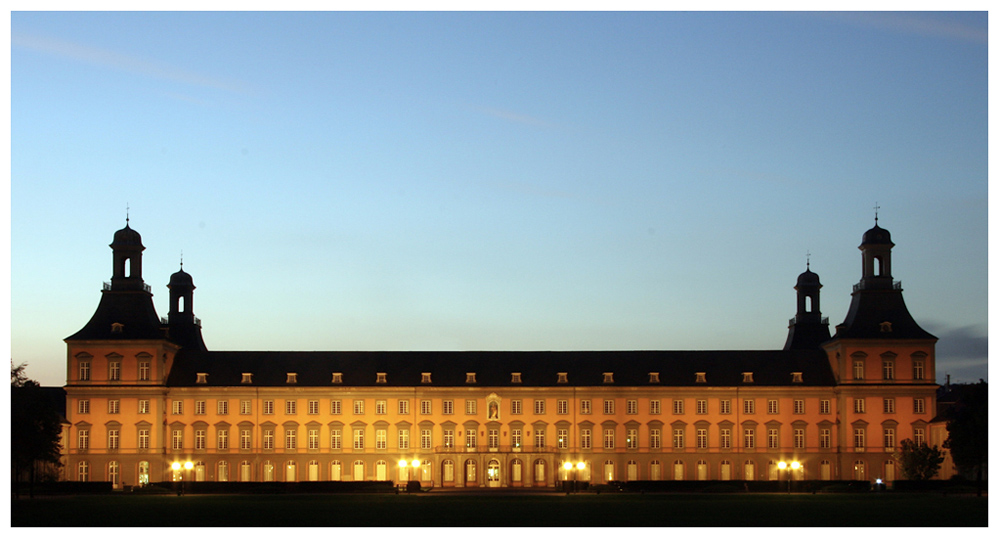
(654,378)
(291,378)
(885,327)
(609,378)
(247,378)
(470,378)
(562,378)
(338,378)
(515,378)
(117,327)
(796,377)
(425,378)
(699,378)
(748,378)
(201,378)
(380,378)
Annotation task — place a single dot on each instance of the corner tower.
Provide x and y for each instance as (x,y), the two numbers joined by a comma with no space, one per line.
(808,329)
(184,327)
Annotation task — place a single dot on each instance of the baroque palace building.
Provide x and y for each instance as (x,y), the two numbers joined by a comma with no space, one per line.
(145,397)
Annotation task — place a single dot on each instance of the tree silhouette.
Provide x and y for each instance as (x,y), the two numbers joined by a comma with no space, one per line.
(968,432)
(35,426)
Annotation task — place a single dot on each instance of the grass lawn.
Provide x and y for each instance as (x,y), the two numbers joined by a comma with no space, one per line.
(616,510)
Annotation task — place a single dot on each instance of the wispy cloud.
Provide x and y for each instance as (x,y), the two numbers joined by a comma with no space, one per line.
(922,24)
(120,62)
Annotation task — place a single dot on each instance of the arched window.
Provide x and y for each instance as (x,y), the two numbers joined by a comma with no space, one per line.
(678,470)
(655,471)
(246,472)
(114,473)
(143,473)
(725,470)
(83,471)
(540,472)
(335,471)
(223,471)
(632,471)
(268,469)
(359,471)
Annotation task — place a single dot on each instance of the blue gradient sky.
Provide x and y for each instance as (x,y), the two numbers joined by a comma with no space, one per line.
(514,181)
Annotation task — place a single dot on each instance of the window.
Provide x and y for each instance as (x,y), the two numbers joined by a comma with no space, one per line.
(796,377)
(114,370)
(177,407)
(772,438)
(312,407)
(247,378)
(291,438)
(699,378)
(222,407)
(799,436)
(84,371)
(336,439)
(609,407)
(631,438)
(798,406)
(859,438)
(143,371)
(222,439)
(701,438)
(269,439)
(678,407)
(748,437)
(425,438)
(824,406)
(654,438)
(113,437)
(539,437)
(470,437)
(678,438)
(493,438)
(859,369)
(143,438)
(268,405)
(859,406)
(918,435)
(245,407)
(889,437)
(338,378)
(199,439)
(654,378)
(515,378)
(748,406)
(654,407)
(562,438)
(585,439)
(470,378)
(359,438)
(83,439)
(631,407)
(888,369)
(448,407)
(113,405)
(403,438)
(725,438)
(515,406)
(380,378)
(748,378)
(335,407)
(199,407)
(609,378)
(562,406)
(725,406)
(585,407)
(562,378)
(379,438)
(380,407)
(609,438)
(918,406)
(403,407)
(824,438)
(201,378)
(425,378)
(701,406)
(772,406)
(177,439)
(515,437)
(539,407)
(918,369)
(359,407)
(83,471)
(143,406)
(470,406)
(889,406)
(425,407)
(246,439)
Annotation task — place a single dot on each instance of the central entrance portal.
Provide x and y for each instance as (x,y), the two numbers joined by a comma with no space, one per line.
(493,473)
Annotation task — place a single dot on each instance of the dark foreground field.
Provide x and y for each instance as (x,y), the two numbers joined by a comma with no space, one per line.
(658,510)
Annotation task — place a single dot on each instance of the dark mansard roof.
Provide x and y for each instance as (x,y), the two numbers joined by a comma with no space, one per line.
(448,369)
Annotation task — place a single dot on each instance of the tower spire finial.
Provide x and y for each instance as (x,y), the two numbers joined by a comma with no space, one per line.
(807,260)
(876,212)
(182,259)
(126,213)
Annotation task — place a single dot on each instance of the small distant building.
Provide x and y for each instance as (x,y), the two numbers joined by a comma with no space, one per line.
(144,393)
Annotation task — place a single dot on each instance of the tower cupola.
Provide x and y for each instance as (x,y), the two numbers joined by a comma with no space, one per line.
(127,260)
(185,328)
(808,329)
(876,258)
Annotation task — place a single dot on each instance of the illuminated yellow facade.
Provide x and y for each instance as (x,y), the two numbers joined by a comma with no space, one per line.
(147,402)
